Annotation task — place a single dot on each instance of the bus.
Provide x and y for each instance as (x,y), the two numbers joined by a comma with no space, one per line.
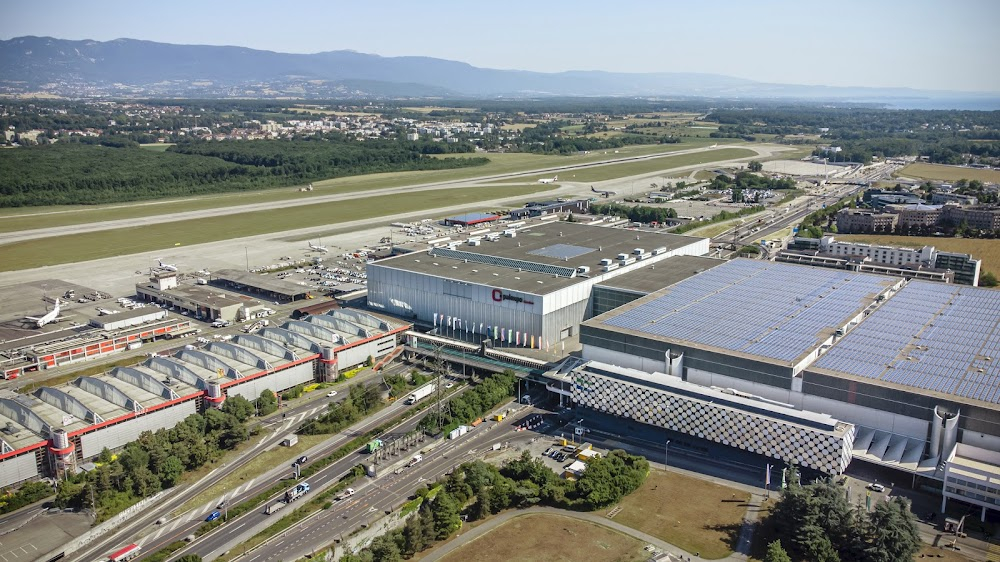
(128,553)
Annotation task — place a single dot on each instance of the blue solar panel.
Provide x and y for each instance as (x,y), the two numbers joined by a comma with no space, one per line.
(937,337)
(784,311)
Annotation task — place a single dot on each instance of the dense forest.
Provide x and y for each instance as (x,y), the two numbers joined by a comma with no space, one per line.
(75,173)
(548,138)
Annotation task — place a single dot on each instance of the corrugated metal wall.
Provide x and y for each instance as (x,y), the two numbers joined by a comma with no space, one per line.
(118,435)
(277,382)
(18,469)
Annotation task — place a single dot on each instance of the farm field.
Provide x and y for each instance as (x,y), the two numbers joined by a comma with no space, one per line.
(550,538)
(87,246)
(16,219)
(986,250)
(693,514)
(948,173)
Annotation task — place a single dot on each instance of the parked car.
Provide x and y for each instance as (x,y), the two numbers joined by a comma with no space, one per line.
(876,487)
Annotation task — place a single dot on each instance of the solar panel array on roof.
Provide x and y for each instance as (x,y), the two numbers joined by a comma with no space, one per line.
(765,309)
(562,251)
(943,338)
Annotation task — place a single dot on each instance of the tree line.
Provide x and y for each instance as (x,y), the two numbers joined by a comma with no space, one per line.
(637,213)
(476,490)
(79,173)
(362,399)
(471,404)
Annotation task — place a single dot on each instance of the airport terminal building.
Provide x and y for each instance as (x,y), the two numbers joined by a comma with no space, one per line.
(529,287)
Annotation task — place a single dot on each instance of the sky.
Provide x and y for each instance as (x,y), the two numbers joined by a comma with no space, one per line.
(923,44)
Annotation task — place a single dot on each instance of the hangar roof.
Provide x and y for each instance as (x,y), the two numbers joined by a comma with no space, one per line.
(270,284)
(661,274)
(539,259)
(934,337)
(773,312)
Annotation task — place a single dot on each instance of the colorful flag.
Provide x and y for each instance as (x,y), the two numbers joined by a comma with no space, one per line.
(532,342)
(517,338)
(435,318)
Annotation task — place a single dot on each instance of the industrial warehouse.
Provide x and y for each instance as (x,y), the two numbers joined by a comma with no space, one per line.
(908,368)
(56,429)
(529,288)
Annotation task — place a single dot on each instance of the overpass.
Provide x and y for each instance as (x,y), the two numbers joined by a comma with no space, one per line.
(481,357)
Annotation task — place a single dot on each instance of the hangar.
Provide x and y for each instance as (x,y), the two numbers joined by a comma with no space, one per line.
(911,365)
(529,287)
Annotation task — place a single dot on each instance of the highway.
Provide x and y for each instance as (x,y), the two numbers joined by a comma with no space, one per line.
(374,497)
(139,528)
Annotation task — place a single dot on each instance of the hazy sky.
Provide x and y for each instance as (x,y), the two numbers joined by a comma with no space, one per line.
(926,44)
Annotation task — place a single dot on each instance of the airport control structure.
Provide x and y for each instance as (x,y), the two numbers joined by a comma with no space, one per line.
(55,430)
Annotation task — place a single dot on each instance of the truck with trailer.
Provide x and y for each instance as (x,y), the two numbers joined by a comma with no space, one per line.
(373,446)
(420,393)
(128,553)
(415,460)
(297,492)
(344,495)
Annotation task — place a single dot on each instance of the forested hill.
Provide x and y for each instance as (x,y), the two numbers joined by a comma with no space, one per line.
(85,174)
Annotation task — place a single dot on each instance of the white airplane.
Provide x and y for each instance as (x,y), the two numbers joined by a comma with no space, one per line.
(549,180)
(714,145)
(49,317)
(322,249)
(167,266)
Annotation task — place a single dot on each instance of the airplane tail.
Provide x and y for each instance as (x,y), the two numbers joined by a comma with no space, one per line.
(555,178)
(592,189)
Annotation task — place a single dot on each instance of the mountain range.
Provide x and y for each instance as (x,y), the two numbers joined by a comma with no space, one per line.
(145,68)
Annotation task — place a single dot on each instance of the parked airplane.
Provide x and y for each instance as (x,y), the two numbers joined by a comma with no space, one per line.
(549,180)
(602,193)
(322,249)
(714,145)
(167,266)
(49,317)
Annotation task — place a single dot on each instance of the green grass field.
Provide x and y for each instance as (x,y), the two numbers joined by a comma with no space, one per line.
(15,219)
(157,146)
(95,245)
(613,171)
(694,514)
(948,173)
(549,538)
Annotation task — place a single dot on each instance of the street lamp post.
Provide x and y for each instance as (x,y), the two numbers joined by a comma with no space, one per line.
(666,453)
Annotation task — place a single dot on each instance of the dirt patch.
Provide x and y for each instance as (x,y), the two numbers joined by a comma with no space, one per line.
(693,514)
(548,538)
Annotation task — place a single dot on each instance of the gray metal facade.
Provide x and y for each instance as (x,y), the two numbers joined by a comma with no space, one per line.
(277,382)
(119,434)
(18,469)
